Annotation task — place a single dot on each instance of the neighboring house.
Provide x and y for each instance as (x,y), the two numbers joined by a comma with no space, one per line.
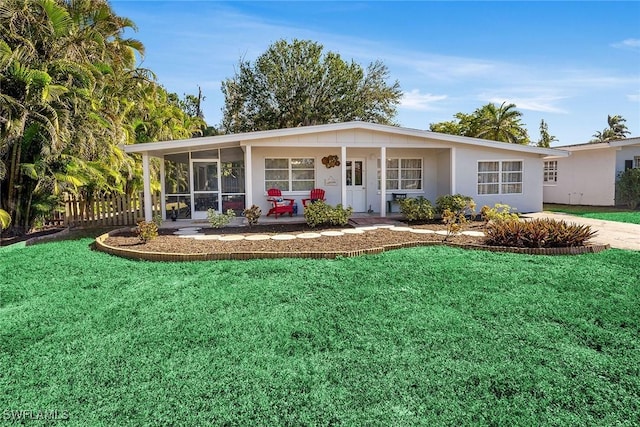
(235,171)
(588,176)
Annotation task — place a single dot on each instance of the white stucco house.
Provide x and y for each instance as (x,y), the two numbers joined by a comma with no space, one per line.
(588,176)
(235,171)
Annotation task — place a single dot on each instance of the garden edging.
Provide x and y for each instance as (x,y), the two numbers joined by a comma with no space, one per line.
(101,246)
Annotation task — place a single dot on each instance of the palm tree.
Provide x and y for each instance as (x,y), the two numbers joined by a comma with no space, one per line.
(500,124)
(616,130)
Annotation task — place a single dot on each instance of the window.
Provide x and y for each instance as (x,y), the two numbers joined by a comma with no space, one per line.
(297,174)
(403,174)
(500,177)
(550,172)
(636,162)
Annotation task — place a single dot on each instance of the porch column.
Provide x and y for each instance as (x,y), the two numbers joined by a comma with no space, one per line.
(248,177)
(343,175)
(383,182)
(453,170)
(163,207)
(146,179)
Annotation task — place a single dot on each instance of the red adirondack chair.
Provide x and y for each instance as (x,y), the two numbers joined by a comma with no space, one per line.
(279,205)
(316,194)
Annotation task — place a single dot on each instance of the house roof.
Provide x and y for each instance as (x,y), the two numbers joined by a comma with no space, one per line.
(266,138)
(602,145)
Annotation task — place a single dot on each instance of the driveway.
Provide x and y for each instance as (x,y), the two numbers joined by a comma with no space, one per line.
(616,234)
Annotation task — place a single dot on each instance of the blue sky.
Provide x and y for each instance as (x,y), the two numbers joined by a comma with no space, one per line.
(569,63)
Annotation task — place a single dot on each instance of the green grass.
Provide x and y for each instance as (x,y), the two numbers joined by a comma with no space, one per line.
(421,336)
(597,212)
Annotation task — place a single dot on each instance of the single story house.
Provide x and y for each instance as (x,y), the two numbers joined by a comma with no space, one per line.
(373,163)
(588,176)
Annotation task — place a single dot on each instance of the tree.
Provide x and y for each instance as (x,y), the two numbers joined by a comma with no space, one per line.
(489,122)
(501,124)
(70,95)
(545,137)
(616,130)
(296,84)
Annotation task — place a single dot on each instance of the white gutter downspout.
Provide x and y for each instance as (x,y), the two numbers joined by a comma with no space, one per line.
(383,182)
(146,178)
(163,207)
(453,170)
(343,176)
(248,177)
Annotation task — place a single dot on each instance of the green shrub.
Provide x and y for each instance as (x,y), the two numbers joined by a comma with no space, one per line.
(499,212)
(456,203)
(628,186)
(416,209)
(146,231)
(252,215)
(219,220)
(319,212)
(157,220)
(538,233)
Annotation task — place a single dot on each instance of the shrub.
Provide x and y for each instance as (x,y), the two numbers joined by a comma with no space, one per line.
(538,233)
(628,186)
(320,212)
(416,209)
(146,231)
(252,214)
(456,203)
(157,220)
(219,220)
(499,212)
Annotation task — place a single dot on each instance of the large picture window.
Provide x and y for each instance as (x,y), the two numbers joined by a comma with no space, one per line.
(550,172)
(290,174)
(500,177)
(403,174)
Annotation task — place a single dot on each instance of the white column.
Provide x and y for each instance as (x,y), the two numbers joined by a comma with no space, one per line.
(343,176)
(248,177)
(453,170)
(146,178)
(163,206)
(383,182)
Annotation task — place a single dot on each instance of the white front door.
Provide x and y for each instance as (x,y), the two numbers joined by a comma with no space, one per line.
(205,193)
(356,190)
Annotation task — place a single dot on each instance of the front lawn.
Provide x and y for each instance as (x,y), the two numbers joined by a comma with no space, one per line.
(597,212)
(421,336)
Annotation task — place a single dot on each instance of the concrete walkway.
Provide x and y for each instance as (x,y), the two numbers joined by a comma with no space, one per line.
(619,235)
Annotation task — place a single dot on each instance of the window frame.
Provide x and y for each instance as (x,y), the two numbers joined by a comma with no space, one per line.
(549,173)
(636,162)
(400,169)
(290,175)
(500,173)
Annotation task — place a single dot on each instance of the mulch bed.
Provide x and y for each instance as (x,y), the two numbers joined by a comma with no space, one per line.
(168,243)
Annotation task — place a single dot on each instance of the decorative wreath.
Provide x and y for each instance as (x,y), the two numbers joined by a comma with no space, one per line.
(331,161)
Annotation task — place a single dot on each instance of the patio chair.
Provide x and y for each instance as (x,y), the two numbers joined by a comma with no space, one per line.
(316,194)
(279,205)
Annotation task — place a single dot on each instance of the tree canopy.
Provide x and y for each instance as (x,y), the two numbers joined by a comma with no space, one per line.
(498,123)
(70,94)
(297,84)
(545,137)
(617,129)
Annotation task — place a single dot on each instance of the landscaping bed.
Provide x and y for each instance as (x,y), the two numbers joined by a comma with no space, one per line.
(170,247)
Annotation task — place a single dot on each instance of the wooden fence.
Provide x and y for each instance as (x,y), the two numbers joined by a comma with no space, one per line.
(117,209)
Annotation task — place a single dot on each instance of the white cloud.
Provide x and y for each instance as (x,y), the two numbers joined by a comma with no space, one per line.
(634,97)
(414,100)
(629,44)
(540,103)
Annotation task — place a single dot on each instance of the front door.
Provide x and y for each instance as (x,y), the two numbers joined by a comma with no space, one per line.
(205,193)
(356,190)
